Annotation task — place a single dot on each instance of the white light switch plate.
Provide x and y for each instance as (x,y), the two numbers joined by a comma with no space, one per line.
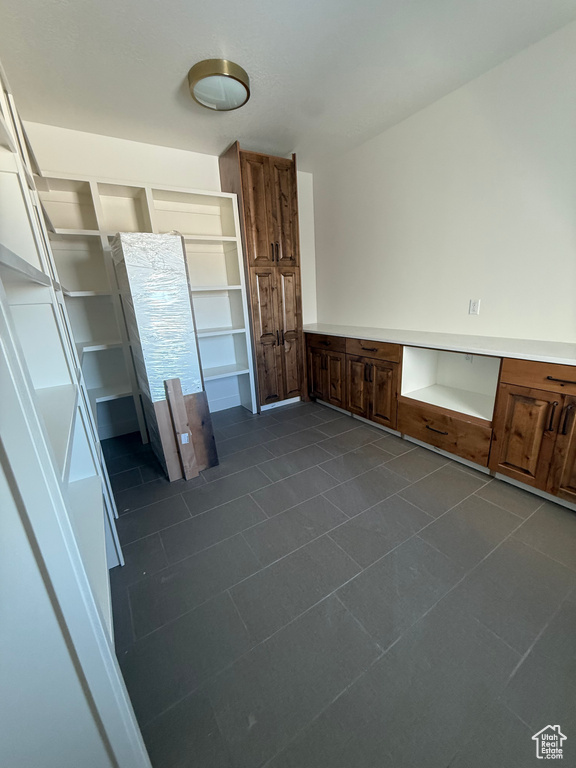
(474,307)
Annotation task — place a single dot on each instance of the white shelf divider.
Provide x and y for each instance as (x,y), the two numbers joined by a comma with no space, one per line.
(58,408)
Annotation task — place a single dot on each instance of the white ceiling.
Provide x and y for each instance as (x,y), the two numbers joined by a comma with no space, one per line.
(326,75)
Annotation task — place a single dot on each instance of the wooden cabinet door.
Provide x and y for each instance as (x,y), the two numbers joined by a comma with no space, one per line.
(316,373)
(335,388)
(266,335)
(358,385)
(384,393)
(563,472)
(283,210)
(525,426)
(260,249)
(291,334)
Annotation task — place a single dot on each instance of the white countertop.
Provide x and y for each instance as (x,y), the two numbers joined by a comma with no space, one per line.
(524,349)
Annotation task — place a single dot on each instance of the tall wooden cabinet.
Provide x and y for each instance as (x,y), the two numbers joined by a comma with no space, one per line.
(267,196)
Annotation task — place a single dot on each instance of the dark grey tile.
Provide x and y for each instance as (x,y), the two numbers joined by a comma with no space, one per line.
(499,738)
(162,668)
(416,464)
(284,466)
(237,461)
(356,462)
(515,500)
(371,534)
(467,533)
(121,620)
(293,442)
(229,416)
(150,493)
(552,530)
(289,530)
(124,480)
(297,410)
(440,490)
(243,442)
(543,688)
(121,464)
(362,492)
(395,445)
(182,587)
(142,558)
(148,520)
(348,441)
(124,444)
(246,427)
(276,595)
(514,592)
(434,683)
(151,471)
(226,489)
(395,592)
(289,426)
(338,426)
(187,736)
(209,528)
(477,473)
(280,686)
(293,490)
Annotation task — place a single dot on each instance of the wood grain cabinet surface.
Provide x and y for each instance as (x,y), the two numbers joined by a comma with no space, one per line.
(535,427)
(327,369)
(268,203)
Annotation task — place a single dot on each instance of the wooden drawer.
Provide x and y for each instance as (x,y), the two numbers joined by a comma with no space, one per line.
(547,376)
(442,429)
(380,350)
(319,341)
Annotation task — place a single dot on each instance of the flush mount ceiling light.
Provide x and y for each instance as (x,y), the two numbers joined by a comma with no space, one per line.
(219,84)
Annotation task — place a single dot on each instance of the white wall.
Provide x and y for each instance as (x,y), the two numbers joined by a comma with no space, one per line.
(473,197)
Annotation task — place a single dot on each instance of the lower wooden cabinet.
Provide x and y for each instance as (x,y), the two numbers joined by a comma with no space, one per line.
(372,389)
(327,376)
(535,439)
(464,436)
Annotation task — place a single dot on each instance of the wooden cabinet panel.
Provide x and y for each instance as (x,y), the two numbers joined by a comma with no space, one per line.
(384,394)
(525,424)
(562,481)
(333,343)
(316,373)
(335,391)
(259,247)
(546,376)
(266,334)
(375,349)
(358,385)
(290,325)
(283,207)
(433,425)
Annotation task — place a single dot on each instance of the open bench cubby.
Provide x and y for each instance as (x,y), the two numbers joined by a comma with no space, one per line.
(453,380)
(192,214)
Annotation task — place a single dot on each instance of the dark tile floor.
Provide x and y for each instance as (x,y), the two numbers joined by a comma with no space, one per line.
(331,596)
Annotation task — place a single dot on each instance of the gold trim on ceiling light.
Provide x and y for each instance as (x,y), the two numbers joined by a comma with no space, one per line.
(222,68)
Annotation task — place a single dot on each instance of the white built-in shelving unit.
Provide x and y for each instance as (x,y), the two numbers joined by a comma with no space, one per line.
(36,334)
(454,380)
(82,215)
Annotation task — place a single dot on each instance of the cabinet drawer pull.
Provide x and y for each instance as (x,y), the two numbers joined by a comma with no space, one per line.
(435,430)
(277,252)
(552,412)
(561,381)
(369,349)
(567,411)
(272,249)
(282,332)
(325,343)
(277,338)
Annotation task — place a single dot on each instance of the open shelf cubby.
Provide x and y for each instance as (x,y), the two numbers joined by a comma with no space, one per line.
(194,214)
(218,310)
(68,204)
(80,263)
(124,209)
(92,318)
(453,380)
(212,263)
